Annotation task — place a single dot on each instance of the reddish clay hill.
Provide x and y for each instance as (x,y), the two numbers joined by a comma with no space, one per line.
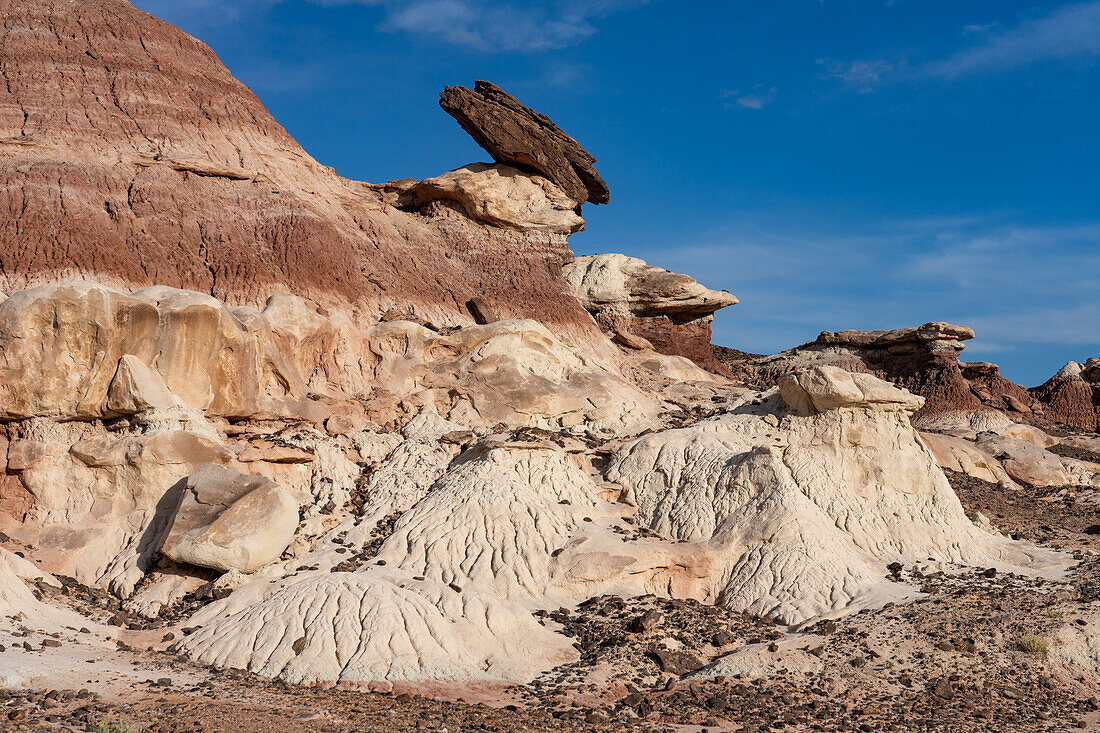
(130,155)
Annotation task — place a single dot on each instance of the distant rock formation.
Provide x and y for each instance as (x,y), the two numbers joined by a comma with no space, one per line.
(519,136)
(1072,396)
(642,306)
(924,360)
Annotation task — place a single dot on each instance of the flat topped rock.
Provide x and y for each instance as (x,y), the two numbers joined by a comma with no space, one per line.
(819,389)
(929,332)
(519,136)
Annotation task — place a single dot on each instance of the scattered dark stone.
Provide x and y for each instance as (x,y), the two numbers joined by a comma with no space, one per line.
(722,638)
(678,663)
(646,622)
(943,689)
(482,312)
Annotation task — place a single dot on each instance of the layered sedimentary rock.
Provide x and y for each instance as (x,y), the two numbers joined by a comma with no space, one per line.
(643,306)
(924,360)
(143,162)
(517,135)
(1072,396)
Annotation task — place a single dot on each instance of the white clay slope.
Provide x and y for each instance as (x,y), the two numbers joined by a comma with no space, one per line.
(790,516)
(355,627)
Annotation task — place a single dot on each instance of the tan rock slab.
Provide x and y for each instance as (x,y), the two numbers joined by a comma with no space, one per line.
(137,388)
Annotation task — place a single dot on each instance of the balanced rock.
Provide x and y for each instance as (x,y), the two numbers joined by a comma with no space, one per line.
(519,136)
(228,521)
(923,360)
(934,336)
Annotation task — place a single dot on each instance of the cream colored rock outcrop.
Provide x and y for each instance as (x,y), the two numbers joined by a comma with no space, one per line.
(802,518)
(627,286)
(61,346)
(513,372)
(822,388)
(357,627)
(505,197)
(99,498)
(227,521)
(1024,461)
(958,454)
(137,388)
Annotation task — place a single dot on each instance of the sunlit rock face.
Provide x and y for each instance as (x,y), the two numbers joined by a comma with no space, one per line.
(646,307)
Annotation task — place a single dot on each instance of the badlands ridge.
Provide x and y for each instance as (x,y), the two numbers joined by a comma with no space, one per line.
(328,431)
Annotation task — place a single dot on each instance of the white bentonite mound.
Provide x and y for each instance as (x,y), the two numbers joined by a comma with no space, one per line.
(803,515)
(357,627)
(787,512)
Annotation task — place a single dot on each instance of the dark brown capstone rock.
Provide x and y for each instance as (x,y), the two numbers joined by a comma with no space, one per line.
(519,136)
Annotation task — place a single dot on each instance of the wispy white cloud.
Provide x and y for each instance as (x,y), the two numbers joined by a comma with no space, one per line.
(491,25)
(503,25)
(756,98)
(1018,287)
(863,76)
(1070,33)
(979,27)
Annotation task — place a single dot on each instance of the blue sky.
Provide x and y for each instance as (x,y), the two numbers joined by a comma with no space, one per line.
(834,163)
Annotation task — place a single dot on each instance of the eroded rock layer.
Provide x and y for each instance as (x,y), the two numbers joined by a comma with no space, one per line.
(1072,396)
(130,155)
